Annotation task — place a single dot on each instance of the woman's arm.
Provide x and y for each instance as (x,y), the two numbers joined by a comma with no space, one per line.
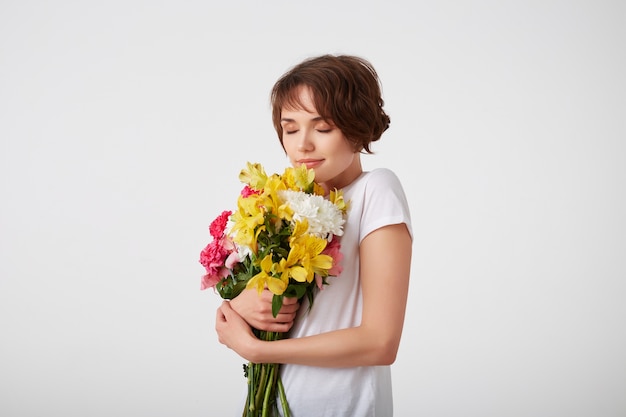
(385,256)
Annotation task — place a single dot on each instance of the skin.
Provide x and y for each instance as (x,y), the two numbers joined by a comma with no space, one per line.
(257,310)
(385,258)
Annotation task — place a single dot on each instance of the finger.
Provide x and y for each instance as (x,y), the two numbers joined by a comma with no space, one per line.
(289,309)
(226,310)
(289,301)
(267,295)
(220,324)
(279,327)
(219,315)
(285,316)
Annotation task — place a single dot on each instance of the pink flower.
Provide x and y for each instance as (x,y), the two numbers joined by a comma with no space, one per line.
(333,249)
(218,258)
(232,260)
(247,191)
(319,281)
(210,281)
(212,257)
(219,224)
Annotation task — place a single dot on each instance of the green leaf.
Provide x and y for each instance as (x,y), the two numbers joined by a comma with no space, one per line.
(277,303)
(295,290)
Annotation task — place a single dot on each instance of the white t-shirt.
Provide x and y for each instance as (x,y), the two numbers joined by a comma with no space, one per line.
(376,199)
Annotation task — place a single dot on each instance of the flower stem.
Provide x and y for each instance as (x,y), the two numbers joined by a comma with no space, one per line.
(265,385)
(283,399)
(252,378)
(268,390)
(259,391)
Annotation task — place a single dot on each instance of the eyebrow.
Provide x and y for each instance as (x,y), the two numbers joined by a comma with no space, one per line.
(287,120)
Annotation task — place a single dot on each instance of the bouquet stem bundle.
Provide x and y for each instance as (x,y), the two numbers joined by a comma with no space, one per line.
(264,385)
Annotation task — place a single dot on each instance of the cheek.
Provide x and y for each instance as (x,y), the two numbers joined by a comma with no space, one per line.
(348,158)
(289,146)
(343,149)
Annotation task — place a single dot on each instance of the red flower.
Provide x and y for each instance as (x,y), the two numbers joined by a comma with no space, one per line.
(212,257)
(247,191)
(219,224)
(217,253)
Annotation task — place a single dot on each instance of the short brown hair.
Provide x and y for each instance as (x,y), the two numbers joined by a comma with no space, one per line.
(345,90)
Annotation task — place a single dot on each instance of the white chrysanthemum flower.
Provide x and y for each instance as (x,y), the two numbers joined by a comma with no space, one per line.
(324,218)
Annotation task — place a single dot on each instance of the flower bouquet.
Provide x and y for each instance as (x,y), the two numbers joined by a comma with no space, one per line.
(284,236)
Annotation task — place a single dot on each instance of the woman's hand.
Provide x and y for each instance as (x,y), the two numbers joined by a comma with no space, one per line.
(256,310)
(233,331)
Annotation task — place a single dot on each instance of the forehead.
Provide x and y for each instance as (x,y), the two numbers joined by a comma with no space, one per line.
(299,98)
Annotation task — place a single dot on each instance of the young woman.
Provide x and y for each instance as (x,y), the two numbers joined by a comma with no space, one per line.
(327,111)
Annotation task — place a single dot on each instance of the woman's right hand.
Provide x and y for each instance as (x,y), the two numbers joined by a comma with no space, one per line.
(256,309)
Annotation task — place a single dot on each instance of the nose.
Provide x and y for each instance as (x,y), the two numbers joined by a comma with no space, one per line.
(304,141)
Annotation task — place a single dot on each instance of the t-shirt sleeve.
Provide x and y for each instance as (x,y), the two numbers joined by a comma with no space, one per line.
(385,203)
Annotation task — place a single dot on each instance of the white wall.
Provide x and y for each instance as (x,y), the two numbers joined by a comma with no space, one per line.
(124,124)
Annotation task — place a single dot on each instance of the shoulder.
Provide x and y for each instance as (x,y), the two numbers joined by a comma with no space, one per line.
(377,200)
(378,182)
(381,181)
(382,175)
(373,185)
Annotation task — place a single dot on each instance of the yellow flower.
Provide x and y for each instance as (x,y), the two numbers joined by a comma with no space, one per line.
(299,179)
(297,272)
(254,175)
(336,197)
(286,269)
(318,189)
(308,250)
(271,202)
(265,277)
(299,228)
(270,192)
(245,220)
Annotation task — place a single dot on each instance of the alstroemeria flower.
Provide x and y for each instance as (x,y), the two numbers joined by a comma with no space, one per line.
(254,175)
(333,249)
(245,220)
(266,278)
(299,179)
(309,249)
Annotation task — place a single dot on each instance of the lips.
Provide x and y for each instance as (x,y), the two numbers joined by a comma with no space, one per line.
(311,163)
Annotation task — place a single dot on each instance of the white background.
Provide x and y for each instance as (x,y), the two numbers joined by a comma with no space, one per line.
(124,125)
